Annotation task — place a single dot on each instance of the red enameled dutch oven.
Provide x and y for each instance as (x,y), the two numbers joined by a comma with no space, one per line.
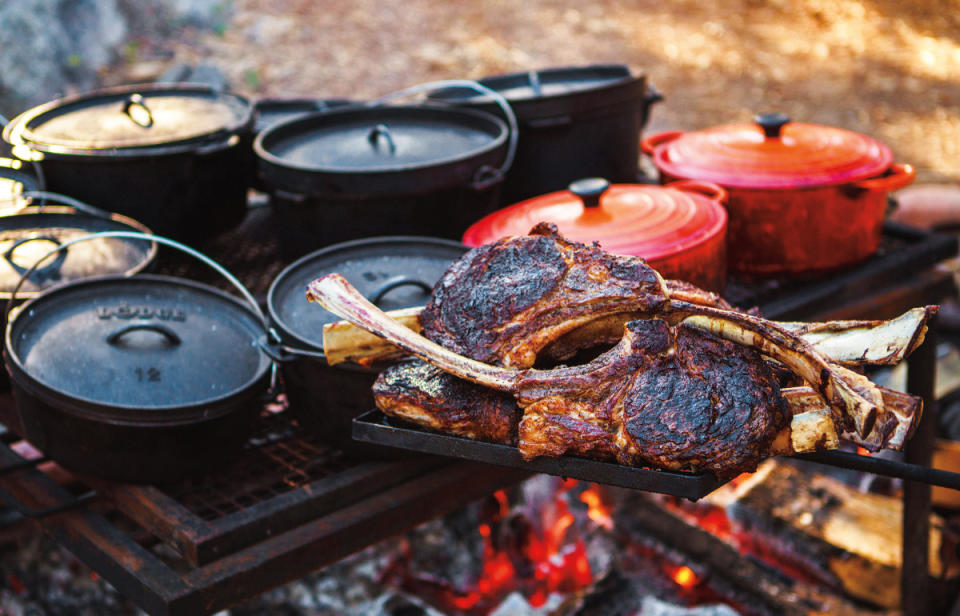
(804,198)
(679,229)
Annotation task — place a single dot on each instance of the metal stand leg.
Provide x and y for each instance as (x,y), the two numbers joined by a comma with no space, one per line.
(914,580)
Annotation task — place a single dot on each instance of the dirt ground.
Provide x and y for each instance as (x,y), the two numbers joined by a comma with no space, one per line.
(881,67)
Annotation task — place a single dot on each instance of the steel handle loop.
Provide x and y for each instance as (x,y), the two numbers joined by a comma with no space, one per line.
(477,87)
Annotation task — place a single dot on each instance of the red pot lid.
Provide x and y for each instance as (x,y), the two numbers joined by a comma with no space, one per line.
(773,152)
(653,222)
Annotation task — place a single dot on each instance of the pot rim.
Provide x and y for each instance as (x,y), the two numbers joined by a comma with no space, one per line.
(134,225)
(286,334)
(121,413)
(17,134)
(624,86)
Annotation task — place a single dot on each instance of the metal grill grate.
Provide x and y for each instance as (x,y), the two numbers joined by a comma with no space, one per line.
(277,460)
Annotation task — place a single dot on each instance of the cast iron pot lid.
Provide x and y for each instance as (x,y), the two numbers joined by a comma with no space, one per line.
(33,232)
(556,91)
(130,117)
(393,272)
(147,348)
(381,149)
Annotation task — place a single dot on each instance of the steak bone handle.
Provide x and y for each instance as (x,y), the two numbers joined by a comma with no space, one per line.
(334,293)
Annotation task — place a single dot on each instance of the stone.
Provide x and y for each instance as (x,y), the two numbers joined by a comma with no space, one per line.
(51,47)
(56,47)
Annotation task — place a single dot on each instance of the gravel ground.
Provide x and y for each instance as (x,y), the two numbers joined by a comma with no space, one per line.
(880,67)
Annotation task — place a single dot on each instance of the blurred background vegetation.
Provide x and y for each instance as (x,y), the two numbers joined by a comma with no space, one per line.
(885,68)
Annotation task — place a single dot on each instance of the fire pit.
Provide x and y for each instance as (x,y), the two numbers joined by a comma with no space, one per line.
(290,505)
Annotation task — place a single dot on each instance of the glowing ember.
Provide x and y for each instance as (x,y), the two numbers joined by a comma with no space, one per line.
(685,577)
(596,509)
(501,497)
(547,557)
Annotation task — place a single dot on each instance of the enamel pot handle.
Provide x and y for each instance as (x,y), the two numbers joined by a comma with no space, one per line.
(649,144)
(898,176)
(707,189)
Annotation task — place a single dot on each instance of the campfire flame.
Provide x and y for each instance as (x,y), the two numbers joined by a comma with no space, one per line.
(597,511)
(535,557)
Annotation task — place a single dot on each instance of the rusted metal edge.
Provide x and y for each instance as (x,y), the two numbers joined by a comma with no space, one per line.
(132,569)
(914,583)
(161,591)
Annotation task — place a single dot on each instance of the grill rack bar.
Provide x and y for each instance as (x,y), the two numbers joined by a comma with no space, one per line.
(887,468)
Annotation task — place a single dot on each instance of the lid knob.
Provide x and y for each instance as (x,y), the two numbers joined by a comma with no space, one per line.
(135,107)
(382,131)
(589,190)
(771,123)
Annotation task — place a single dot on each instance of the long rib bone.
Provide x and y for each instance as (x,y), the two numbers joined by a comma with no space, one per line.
(856,401)
(338,296)
(849,343)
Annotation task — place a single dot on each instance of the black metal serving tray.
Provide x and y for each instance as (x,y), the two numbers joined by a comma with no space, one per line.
(375,427)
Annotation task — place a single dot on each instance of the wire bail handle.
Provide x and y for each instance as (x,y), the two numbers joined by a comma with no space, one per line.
(485,176)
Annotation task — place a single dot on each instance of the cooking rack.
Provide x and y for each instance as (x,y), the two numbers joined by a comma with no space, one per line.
(288,505)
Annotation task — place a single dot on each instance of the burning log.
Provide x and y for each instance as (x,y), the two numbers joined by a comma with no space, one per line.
(708,546)
(829,531)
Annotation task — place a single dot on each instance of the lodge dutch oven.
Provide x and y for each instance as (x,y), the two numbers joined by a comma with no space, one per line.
(175,157)
(679,229)
(145,378)
(804,198)
(393,272)
(358,172)
(574,122)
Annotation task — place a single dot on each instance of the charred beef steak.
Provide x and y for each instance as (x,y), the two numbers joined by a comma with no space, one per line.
(688,386)
(667,397)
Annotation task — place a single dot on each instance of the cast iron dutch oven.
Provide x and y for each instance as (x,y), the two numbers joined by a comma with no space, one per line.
(359,172)
(175,157)
(144,378)
(679,229)
(574,122)
(393,272)
(804,198)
